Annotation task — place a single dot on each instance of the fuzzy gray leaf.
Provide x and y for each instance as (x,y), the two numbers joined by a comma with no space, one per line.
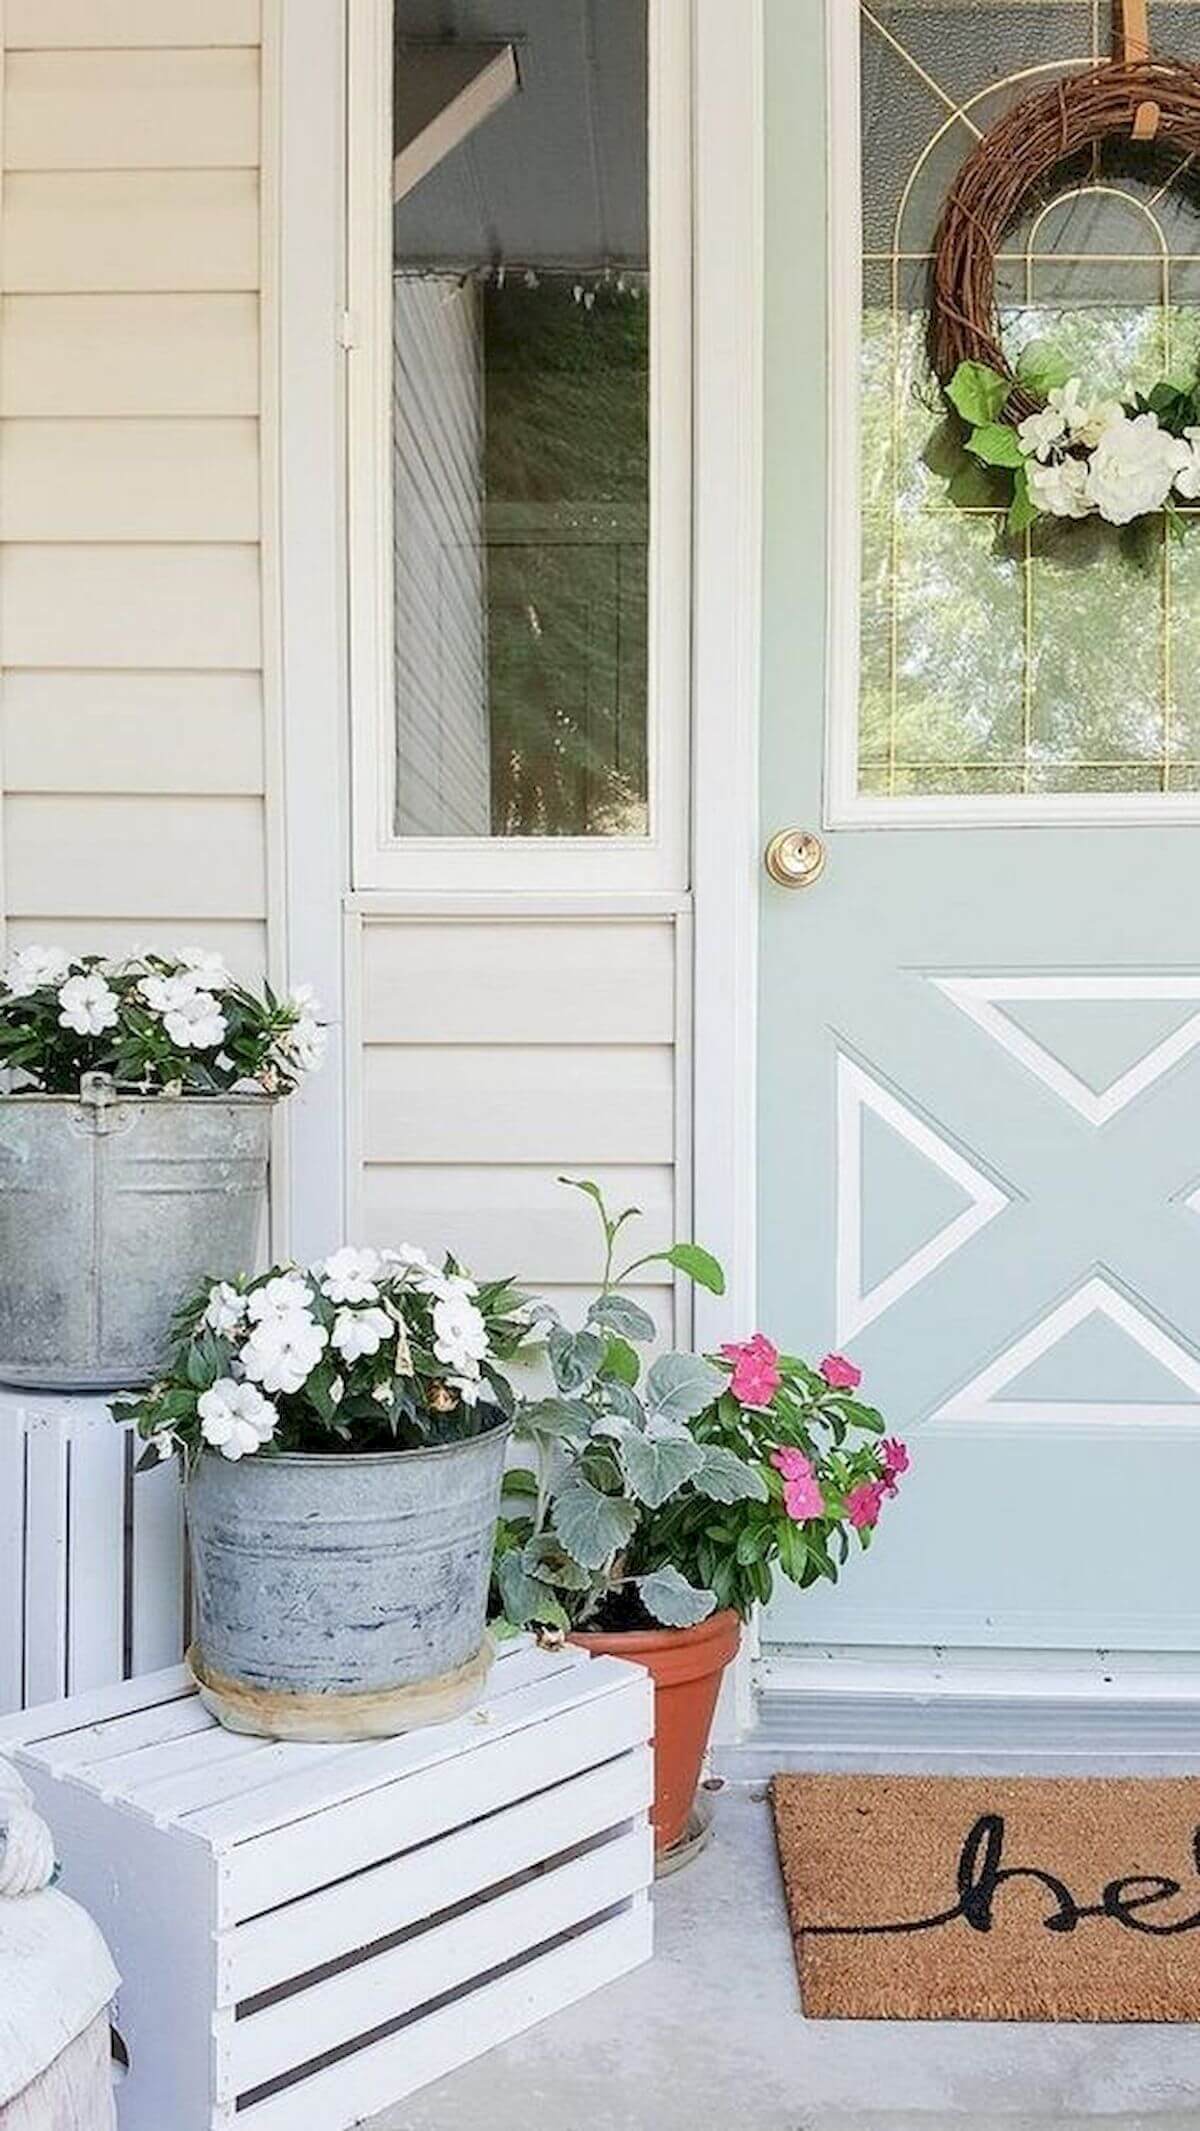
(525,1598)
(591,1525)
(546,1560)
(618,1314)
(671,1599)
(680,1386)
(724,1477)
(574,1358)
(657,1467)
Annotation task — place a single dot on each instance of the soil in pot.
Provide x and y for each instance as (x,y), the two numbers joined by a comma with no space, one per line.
(686,1665)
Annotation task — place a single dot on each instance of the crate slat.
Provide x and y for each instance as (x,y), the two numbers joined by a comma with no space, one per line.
(96,1563)
(441,1959)
(86,1751)
(256,1956)
(46,1527)
(281,1864)
(12,1562)
(36,1729)
(387,2071)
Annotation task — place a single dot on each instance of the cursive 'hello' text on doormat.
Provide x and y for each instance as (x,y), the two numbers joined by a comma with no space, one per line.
(980,1898)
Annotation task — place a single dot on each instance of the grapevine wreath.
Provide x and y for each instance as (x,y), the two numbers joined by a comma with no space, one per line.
(1066,453)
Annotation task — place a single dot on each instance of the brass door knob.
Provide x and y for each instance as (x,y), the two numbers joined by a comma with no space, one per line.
(795,858)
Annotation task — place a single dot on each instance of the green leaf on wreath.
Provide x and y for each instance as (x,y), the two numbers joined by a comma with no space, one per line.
(1023,511)
(1042,369)
(996,444)
(978,392)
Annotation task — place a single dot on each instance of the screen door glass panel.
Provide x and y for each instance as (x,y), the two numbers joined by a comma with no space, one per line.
(521,402)
(1063,661)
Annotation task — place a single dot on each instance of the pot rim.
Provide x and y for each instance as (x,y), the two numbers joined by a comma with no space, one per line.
(712,1629)
(124,1092)
(354,1459)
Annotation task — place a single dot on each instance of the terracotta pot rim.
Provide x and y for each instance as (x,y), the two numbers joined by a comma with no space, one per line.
(716,1628)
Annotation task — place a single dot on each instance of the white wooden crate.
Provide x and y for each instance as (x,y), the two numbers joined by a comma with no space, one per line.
(91,1554)
(308,1933)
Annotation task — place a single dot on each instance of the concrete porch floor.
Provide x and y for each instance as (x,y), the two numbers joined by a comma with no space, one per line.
(710,2038)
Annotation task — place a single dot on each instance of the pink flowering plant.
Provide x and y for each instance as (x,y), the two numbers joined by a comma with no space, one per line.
(658,1494)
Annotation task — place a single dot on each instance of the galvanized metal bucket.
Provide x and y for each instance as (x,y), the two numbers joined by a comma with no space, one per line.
(343,1597)
(113,1208)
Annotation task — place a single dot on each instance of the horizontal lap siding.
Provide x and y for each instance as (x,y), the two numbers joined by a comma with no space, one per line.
(499,1054)
(131,635)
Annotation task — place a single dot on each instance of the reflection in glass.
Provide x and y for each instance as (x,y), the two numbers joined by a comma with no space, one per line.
(521,418)
(1064,661)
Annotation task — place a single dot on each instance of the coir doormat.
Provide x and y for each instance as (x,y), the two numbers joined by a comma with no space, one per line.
(973,1898)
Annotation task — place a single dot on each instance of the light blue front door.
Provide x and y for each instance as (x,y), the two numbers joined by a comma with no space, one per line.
(981,1025)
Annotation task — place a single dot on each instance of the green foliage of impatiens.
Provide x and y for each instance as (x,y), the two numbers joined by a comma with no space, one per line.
(656,1493)
(179,1023)
(1123,460)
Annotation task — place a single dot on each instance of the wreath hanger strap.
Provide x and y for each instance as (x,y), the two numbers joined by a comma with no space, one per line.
(1133,49)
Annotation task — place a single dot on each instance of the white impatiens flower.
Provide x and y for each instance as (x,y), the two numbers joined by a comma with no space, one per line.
(282,1351)
(226,1309)
(88,1006)
(359,1332)
(191,1016)
(305,1042)
(29,969)
(1039,433)
(383,1394)
(1133,466)
(460,1334)
(208,969)
(411,1262)
(351,1275)
(235,1418)
(287,1295)
(1061,489)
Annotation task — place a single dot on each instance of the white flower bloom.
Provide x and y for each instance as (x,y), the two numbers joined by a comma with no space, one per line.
(88,1006)
(226,1309)
(359,1332)
(303,1044)
(460,1334)
(409,1260)
(337,1391)
(282,1352)
(208,969)
(28,969)
(166,1443)
(469,1389)
(351,1275)
(190,1014)
(383,1394)
(287,1295)
(235,1418)
(1086,420)
(1062,489)
(1133,466)
(1039,433)
(1187,480)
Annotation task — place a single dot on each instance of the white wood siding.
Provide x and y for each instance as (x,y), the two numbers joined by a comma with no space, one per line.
(500,1053)
(136,741)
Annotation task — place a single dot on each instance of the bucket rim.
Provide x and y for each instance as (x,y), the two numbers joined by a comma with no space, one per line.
(125,1092)
(353,1460)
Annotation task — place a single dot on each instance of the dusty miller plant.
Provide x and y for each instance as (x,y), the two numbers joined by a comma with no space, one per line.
(579,1541)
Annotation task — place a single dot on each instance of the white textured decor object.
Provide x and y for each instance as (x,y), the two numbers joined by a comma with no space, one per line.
(306,1934)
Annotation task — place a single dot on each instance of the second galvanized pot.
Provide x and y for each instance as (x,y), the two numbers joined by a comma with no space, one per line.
(343,1597)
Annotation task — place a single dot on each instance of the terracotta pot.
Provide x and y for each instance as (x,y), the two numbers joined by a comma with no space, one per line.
(686,1665)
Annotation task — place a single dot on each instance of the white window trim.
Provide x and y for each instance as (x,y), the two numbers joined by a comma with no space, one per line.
(595,865)
(844,808)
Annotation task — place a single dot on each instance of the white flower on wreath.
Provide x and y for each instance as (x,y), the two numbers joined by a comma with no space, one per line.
(226,1310)
(1060,489)
(359,1332)
(1040,433)
(282,1351)
(460,1334)
(285,1295)
(1133,466)
(88,1006)
(1187,480)
(1086,420)
(30,969)
(351,1275)
(235,1418)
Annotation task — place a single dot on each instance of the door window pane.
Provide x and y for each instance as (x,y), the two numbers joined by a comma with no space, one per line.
(521,403)
(1057,661)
